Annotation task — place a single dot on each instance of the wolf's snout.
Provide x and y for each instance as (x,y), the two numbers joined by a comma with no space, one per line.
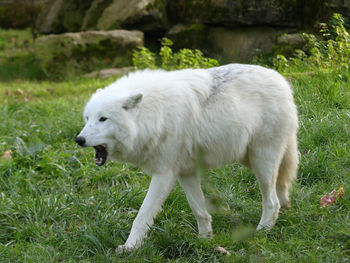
(80,140)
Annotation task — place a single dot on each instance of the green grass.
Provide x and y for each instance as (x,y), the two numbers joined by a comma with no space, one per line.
(56,205)
(16,56)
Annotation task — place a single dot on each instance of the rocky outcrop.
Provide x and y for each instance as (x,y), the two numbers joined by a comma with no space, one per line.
(242,45)
(234,30)
(94,13)
(59,16)
(115,45)
(286,44)
(48,16)
(157,16)
(142,14)
(226,44)
(236,13)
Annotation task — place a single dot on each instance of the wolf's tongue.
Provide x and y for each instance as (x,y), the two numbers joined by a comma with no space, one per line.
(101,155)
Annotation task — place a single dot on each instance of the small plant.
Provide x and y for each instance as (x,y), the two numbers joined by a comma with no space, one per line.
(170,60)
(280,62)
(144,58)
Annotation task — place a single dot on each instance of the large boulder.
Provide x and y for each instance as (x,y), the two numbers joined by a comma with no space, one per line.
(225,43)
(145,15)
(84,48)
(242,45)
(286,44)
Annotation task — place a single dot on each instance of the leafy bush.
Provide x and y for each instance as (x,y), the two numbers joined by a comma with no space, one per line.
(326,59)
(143,58)
(170,60)
(332,51)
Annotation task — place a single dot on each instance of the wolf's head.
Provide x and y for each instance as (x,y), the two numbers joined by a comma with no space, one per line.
(110,124)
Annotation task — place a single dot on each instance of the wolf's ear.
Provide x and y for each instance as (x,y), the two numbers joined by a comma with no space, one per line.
(132,101)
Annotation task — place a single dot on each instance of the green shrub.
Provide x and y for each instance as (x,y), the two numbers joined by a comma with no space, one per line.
(170,60)
(143,58)
(330,52)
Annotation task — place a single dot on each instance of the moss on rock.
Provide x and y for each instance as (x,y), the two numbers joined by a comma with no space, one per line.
(87,48)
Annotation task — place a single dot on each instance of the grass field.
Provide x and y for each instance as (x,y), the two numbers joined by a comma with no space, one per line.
(56,205)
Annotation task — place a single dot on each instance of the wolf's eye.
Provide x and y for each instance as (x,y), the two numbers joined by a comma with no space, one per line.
(102,119)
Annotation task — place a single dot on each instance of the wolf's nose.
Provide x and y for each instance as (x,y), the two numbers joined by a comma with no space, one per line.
(80,140)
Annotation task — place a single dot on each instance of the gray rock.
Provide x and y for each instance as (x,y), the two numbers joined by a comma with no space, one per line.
(116,45)
(241,45)
(109,72)
(286,44)
(145,15)
(296,40)
(225,43)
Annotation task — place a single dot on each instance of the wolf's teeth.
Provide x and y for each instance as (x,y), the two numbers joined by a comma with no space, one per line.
(101,154)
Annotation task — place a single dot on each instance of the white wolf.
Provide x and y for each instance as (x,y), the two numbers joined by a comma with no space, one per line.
(157,120)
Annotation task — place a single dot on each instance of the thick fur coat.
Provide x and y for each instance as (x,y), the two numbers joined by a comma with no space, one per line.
(159,120)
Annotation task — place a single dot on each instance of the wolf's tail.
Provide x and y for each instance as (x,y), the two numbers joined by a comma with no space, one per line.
(287,171)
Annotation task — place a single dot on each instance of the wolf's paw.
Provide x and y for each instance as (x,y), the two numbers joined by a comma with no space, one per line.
(206,234)
(266,226)
(125,249)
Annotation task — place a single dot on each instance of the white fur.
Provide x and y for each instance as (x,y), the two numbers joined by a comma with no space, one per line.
(232,113)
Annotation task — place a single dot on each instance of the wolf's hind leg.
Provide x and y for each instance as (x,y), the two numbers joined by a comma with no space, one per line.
(265,161)
(287,172)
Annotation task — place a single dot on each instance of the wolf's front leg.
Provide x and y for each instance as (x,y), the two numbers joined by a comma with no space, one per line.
(159,190)
(192,187)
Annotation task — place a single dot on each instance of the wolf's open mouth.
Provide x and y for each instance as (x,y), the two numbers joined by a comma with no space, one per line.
(101,154)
